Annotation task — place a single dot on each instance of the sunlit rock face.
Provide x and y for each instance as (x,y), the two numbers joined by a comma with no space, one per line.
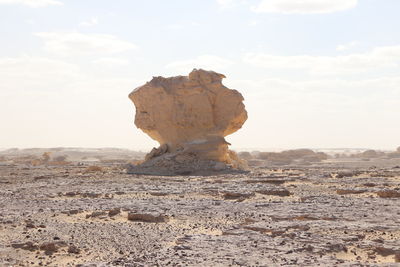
(189,115)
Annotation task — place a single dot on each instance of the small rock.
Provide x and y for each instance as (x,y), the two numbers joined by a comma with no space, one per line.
(138,217)
(337,248)
(73,212)
(385,251)
(389,194)
(25,246)
(30,225)
(114,212)
(397,257)
(95,214)
(49,248)
(234,195)
(281,193)
(91,195)
(73,249)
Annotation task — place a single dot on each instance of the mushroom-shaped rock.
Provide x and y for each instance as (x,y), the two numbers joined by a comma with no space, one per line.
(189,116)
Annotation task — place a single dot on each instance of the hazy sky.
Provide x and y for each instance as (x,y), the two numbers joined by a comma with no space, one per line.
(314,73)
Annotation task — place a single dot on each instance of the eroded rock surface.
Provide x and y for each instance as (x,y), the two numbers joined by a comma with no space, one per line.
(286,215)
(189,116)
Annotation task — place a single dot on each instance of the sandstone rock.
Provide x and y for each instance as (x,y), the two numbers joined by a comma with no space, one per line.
(385,251)
(141,217)
(73,249)
(281,193)
(49,247)
(114,212)
(388,194)
(235,195)
(189,116)
(26,246)
(95,214)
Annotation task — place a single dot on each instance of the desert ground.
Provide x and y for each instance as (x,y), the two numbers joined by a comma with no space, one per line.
(84,209)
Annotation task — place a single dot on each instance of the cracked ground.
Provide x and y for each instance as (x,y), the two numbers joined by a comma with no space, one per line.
(326,214)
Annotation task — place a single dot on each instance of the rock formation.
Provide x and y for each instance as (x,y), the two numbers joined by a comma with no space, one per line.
(189,116)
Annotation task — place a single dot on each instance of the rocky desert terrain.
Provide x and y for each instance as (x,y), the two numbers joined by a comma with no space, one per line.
(82,212)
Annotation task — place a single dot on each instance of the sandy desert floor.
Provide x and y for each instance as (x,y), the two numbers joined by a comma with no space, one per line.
(334,213)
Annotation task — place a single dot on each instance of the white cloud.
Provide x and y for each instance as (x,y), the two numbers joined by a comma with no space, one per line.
(329,112)
(378,58)
(91,22)
(253,23)
(31,3)
(208,62)
(182,25)
(49,98)
(323,86)
(303,6)
(344,47)
(226,3)
(110,61)
(176,26)
(67,43)
(30,73)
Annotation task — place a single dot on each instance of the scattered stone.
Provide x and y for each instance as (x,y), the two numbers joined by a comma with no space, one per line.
(91,195)
(281,193)
(93,169)
(344,174)
(234,195)
(30,224)
(258,181)
(349,191)
(388,194)
(95,214)
(397,257)
(208,229)
(305,217)
(70,212)
(141,217)
(73,212)
(49,247)
(73,249)
(26,246)
(71,194)
(114,212)
(336,248)
(41,177)
(385,251)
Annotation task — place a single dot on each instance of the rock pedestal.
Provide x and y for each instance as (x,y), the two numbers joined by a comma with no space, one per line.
(189,116)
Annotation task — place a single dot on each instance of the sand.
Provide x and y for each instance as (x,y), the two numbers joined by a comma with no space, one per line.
(217,220)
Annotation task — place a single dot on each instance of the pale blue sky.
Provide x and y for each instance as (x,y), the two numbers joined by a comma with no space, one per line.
(314,73)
